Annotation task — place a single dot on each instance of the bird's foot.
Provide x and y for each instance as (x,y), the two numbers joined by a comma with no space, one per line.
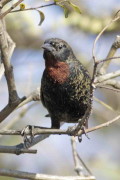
(28,135)
(71,130)
(84,132)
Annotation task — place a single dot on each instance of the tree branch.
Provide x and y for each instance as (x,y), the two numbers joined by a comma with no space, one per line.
(6,48)
(38,130)
(103,104)
(16,150)
(34,96)
(114,83)
(111,53)
(78,159)
(78,167)
(106,77)
(115,18)
(2,15)
(37,176)
(35,8)
(109,88)
(4,2)
(2,70)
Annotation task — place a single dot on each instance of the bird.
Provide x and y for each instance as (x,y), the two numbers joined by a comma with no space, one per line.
(65,84)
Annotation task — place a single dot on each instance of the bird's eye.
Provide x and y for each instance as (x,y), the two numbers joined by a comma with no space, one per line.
(60,46)
(52,43)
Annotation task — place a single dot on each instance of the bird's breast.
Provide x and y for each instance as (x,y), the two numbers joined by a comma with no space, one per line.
(59,72)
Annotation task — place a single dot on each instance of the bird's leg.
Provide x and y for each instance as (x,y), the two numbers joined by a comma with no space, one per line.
(55,124)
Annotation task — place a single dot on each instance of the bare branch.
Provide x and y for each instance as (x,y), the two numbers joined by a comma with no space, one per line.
(35,8)
(115,18)
(2,70)
(103,125)
(109,88)
(111,53)
(5,49)
(103,103)
(106,77)
(114,83)
(4,2)
(2,15)
(88,170)
(17,117)
(34,96)
(78,168)
(37,176)
(107,59)
(15,150)
(38,130)
(11,45)
(7,110)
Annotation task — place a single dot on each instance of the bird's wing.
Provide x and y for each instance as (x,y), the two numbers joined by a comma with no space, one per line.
(42,97)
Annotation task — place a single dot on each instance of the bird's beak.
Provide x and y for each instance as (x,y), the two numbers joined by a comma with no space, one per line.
(47,47)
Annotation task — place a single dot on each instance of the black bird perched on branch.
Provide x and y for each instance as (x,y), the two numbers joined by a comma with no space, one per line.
(65,85)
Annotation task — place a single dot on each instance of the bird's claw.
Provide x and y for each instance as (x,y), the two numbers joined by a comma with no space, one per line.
(84,132)
(28,135)
(71,130)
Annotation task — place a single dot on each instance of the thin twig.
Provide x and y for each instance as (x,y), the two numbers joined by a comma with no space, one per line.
(16,150)
(38,130)
(111,53)
(88,170)
(109,88)
(17,118)
(113,83)
(2,70)
(45,133)
(106,77)
(34,96)
(115,18)
(4,2)
(107,59)
(37,176)
(5,50)
(35,8)
(78,168)
(103,103)
(2,15)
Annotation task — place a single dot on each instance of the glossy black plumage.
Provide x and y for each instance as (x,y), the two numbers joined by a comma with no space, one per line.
(66,95)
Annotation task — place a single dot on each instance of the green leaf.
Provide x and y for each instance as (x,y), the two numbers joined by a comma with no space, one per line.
(66,11)
(75,7)
(42,17)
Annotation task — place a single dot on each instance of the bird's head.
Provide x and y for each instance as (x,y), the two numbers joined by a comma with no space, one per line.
(56,49)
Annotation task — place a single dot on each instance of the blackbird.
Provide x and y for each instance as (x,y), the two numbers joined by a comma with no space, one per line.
(65,84)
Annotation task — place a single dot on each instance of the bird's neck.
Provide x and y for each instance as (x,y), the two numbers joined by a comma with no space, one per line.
(58,71)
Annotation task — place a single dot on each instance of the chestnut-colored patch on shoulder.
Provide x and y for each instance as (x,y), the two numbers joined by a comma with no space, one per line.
(59,72)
